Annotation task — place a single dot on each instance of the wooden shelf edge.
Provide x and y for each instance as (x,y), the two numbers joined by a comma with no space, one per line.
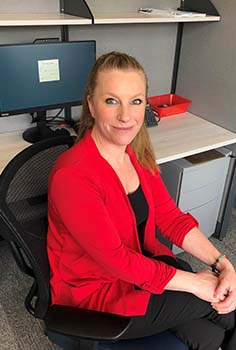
(41,19)
(135,17)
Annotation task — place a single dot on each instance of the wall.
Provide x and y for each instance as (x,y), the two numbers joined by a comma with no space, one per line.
(152,44)
(29,6)
(207,72)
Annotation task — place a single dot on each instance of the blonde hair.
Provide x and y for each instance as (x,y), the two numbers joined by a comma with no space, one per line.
(141,144)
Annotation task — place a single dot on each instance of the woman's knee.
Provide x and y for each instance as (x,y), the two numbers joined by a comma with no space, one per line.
(227,321)
(201,334)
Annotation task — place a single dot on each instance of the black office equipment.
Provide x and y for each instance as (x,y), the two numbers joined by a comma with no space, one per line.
(151,117)
(23,224)
(229,196)
(204,6)
(39,77)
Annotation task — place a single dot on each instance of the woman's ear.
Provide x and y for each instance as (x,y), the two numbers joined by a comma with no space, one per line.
(90,105)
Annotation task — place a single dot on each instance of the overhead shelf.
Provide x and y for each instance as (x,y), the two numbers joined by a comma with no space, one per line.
(106,12)
(41,19)
(44,19)
(136,17)
(85,12)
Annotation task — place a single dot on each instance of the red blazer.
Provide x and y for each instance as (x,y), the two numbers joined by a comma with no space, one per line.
(93,245)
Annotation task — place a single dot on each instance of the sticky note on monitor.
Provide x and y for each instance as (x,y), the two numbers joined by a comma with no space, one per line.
(48,70)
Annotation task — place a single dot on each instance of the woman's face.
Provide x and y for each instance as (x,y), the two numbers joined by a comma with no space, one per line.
(118,106)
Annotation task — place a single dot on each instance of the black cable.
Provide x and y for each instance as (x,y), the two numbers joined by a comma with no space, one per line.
(53,118)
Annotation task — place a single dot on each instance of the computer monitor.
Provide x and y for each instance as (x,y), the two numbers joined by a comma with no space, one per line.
(35,78)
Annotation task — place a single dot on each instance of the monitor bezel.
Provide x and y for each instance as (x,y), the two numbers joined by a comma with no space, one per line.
(35,109)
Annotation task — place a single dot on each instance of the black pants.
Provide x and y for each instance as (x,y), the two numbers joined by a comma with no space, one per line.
(193,320)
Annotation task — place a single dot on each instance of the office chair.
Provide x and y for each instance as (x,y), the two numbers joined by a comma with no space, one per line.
(23,224)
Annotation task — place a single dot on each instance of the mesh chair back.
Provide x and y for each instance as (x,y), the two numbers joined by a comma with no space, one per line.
(23,214)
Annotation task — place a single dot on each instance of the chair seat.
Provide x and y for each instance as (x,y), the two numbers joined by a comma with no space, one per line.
(162,341)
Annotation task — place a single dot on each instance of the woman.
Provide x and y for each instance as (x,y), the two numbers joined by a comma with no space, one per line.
(105,198)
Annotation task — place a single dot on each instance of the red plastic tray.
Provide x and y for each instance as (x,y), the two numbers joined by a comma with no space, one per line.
(169,104)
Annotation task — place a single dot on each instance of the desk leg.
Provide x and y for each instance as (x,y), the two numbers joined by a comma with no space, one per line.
(229,203)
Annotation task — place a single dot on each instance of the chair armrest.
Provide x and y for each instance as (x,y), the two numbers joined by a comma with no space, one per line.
(83,323)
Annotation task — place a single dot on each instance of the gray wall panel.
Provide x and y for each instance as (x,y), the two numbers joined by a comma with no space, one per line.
(207,72)
(29,6)
(19,35)
(153,45)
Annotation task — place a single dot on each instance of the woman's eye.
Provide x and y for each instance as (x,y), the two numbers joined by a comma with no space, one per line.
(111,101)
(137,101)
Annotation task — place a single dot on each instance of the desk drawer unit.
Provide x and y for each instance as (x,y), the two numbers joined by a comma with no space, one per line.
(197,185)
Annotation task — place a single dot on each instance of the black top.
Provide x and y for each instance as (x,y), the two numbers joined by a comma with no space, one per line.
(140,208)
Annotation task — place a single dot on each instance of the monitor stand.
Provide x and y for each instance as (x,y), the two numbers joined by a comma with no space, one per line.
(42,131)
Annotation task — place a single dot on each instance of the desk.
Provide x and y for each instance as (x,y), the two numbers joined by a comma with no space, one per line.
(175,137)
(186,134)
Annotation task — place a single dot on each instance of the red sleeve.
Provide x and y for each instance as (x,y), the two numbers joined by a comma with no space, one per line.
(79,202)
(170,220)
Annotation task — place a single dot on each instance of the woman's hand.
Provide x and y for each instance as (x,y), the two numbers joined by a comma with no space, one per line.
(202,284)
(226,289)
(224,294)
(205,286)
(227,305)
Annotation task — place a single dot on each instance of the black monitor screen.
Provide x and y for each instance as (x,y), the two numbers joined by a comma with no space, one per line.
(36,77)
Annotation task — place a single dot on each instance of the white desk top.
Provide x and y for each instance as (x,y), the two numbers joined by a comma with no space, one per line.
(185,134)
(175,137)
